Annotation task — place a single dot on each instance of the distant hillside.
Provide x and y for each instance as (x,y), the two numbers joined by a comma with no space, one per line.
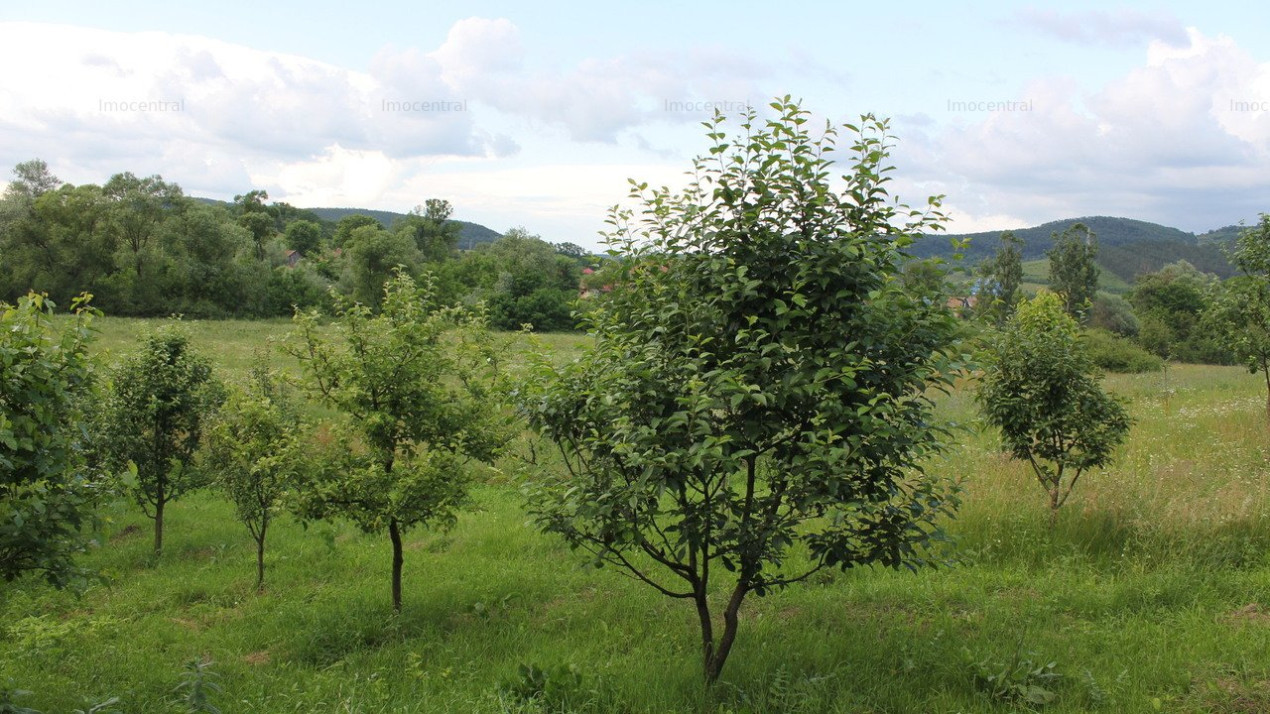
(1222,236)
(1126,247)
(471,235)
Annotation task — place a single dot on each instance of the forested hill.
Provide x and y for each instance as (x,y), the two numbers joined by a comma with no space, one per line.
(1126,247)
(470,235)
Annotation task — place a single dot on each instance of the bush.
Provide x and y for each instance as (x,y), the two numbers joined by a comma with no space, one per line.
(1114,314)
(1116,354)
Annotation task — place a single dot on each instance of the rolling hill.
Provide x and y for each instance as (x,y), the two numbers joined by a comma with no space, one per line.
(1126,247)
(471,235)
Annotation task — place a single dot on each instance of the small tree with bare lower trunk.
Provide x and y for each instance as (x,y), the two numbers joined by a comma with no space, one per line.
(1040,388)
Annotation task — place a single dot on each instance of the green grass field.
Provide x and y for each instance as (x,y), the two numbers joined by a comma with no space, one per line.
(1036,275)
(1152,594)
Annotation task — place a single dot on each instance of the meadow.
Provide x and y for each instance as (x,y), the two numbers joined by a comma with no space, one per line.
(1152,594)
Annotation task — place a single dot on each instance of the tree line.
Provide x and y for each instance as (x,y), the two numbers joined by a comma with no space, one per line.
(143,248)
(1177,313)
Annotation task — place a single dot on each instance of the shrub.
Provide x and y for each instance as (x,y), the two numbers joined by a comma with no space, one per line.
(1116,354)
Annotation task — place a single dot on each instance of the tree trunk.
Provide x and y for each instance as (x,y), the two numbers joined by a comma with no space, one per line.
(1266,370)
(158,526)
(731,619)
(395,533)
(707,631)
(1054,504)
(260,560)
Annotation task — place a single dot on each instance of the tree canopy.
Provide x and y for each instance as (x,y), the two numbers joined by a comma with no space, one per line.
(756,404)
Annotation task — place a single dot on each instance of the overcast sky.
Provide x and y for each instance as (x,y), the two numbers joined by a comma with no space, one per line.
(536,114)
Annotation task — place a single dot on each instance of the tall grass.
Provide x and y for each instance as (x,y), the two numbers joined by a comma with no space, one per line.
(1152,593)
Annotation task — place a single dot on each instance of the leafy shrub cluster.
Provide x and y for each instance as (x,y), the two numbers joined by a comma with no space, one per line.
(1117,354)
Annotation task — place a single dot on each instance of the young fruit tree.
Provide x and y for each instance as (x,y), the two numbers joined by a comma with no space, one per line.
(257,449)
(153,419)
(756,404)
(418,385)
(46,492)
(1040,388)
(1240,309)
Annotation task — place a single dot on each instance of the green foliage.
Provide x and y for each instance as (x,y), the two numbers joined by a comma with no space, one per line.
(1114,314)
(523,280)
(1240,311)
(1018,679)
(304,237)
(430,229)
(1171,304)
(1041,390)
(349,224)
(46,491)
(1074,270)
(756,404)
(1116,354)
(557,688)
(198,687)
(372,255)
(1002,276)
(421,400)
(153,418)
(258,451)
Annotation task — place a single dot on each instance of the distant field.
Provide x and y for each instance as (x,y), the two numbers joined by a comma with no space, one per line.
(234,343)
(1036,274)
(1153,594)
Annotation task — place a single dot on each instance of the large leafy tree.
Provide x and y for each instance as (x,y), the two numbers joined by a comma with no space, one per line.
(756,405)
(136,209)
(1041,390)
(45,490)
(416,384)
(1240,311)
(429,227)
(372,255)
(154,417)
(1073,270)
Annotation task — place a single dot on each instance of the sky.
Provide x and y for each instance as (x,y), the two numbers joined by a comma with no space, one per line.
(537,115)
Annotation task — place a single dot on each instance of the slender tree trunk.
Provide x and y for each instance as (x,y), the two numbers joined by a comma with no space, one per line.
(158,525)
(731,620)
(260,560)
(707,630)
(394,532)
(1053,508)
(1266,371)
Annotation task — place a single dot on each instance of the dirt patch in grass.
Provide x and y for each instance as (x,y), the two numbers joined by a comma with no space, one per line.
(1252,612)
(127,532)
(258,658)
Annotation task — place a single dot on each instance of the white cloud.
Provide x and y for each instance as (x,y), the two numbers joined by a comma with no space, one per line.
(1160,143)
